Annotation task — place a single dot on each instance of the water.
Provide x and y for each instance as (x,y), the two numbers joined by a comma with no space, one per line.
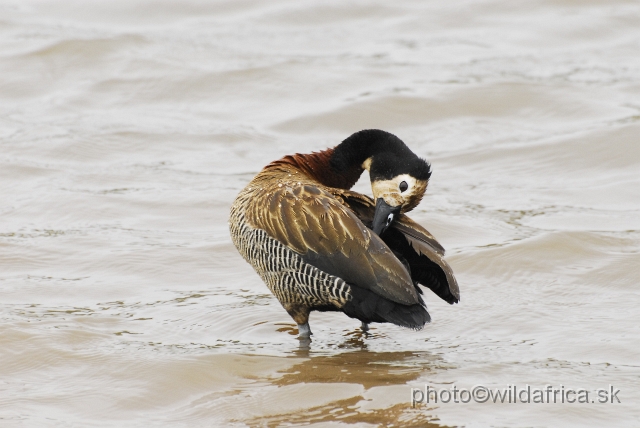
(127,128)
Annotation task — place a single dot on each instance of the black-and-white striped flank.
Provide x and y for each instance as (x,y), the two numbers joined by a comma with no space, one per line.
(289,278)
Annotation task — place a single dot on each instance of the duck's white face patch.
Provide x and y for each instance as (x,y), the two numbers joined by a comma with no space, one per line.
(367,164)
(392,191)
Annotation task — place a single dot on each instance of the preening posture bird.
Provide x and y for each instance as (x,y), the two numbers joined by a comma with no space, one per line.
(322,247)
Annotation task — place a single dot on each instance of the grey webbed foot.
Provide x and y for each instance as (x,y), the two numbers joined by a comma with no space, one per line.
(304,345)
(365,326)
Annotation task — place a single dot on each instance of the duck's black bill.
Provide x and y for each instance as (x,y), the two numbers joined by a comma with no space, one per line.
(384,216)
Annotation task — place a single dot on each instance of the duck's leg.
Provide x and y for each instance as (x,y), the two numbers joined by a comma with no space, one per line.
(300,315)
(304,330)
(365,326)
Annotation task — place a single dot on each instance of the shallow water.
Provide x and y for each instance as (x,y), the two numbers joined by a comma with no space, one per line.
(127,128)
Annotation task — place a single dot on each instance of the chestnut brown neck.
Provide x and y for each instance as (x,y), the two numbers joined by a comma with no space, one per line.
(318,166)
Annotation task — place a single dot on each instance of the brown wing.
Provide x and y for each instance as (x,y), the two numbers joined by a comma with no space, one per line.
(315,224)
(415,244)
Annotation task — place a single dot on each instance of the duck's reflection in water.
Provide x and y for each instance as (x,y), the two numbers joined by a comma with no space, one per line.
(380,382)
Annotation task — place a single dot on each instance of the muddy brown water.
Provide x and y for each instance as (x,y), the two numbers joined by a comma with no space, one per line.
(127,128)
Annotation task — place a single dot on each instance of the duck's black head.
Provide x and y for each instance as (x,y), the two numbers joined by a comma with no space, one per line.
(399,178)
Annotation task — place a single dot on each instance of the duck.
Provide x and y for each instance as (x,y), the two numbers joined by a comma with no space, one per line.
(319,246)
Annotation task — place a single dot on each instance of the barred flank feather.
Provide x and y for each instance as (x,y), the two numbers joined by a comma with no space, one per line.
(288,277)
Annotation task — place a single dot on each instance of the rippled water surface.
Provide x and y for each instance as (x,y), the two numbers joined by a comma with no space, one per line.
(127,128)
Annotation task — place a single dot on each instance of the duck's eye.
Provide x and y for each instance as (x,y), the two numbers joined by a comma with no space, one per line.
(403,186)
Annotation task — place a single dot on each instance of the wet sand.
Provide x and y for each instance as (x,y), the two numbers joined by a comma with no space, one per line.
(126,130)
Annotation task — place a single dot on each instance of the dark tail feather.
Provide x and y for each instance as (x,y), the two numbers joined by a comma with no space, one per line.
(370,307)
(414,316)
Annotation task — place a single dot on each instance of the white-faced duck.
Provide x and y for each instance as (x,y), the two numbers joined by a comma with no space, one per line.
(322,247)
